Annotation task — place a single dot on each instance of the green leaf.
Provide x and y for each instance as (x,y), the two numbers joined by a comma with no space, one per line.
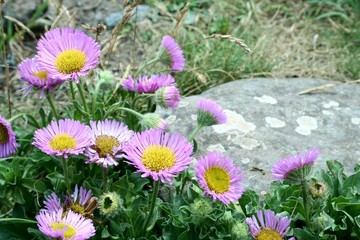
(352,181)
(303,234)
(17,220)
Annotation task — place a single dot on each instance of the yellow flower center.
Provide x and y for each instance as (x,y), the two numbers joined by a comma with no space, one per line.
(4,135)
(104,145)
(217,179)
(78,208)
(157,157)
(63,141)
(268,234)
(70,61)
(69,232)
(42,75)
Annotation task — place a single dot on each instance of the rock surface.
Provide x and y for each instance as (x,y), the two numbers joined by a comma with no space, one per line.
(268,120)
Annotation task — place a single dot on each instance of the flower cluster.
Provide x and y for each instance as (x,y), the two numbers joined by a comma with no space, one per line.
(66,54)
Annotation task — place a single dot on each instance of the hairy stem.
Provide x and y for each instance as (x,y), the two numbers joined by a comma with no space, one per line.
(152,204)
(52,105)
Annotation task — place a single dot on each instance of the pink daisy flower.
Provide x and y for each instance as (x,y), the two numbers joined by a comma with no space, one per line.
(210,113)
(148,85)
(168,97)
(66,53)
(30,72)
(8,143)
(70,226)
(295,168)
(176,54)
(107,141)
(265,225)
(157,154)
(219,178)
(63,138)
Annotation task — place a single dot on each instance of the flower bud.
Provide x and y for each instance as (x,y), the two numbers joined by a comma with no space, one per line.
(152,120)
(110,204)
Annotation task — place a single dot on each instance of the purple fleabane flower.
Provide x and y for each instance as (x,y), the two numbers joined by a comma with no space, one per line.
(145,84)
(176,54)
(8,143)
(210,113)
(31,73)
(219,178)
(108,139)
(168,97)
(295,168)
(266,225)
(65,226)
(81,202)
(63,138)
(158,154)
(67,53)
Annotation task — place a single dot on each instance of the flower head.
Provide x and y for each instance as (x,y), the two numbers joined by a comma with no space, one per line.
(295,168)
(175,53)
(158,154)
(145,84)
(110,204)
(210,113)
(70,226)
(152,120)
(62,138)
(66,53)
(108,138)
(8,143)
(168,96)
(318,189)
(81,202)
(265,225)
(219,178)
(35,76)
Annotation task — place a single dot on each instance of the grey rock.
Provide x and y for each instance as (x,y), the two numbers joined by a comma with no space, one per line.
(269,120)
(113,19)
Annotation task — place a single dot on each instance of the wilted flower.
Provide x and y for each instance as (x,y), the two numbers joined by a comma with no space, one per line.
(266,225)
(144,84)
(152,121)
(175,53)
(318,189)
(219,178)
(210,113)
(158,154)
(62,138)
(8,143)
(66,53)
(108,138)
(65,226)
(168,97)
(295,168)
(80,202)
(30,72)
(110,204)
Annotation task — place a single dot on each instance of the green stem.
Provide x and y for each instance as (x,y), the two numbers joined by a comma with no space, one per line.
(94,97)
(152,204)
(195,132)
(82,95)
(66,174)
(51,102)
(72,91)
(139,115)
(306,205)
(17,220)
(145,65)
(105,178)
